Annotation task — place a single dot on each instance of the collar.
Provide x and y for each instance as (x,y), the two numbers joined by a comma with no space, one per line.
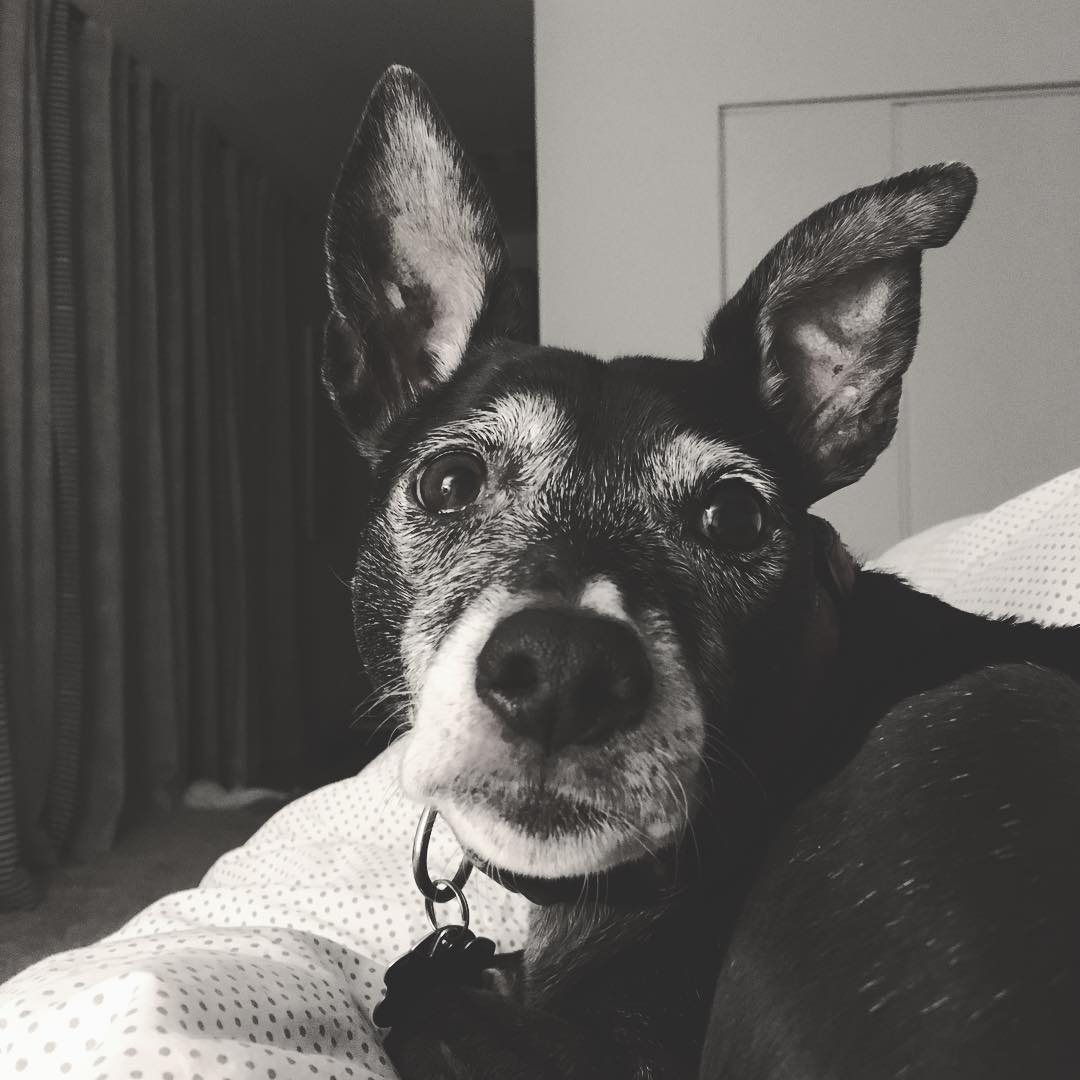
(643,883)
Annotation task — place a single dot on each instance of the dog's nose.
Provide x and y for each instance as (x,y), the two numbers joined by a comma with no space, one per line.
(563,676)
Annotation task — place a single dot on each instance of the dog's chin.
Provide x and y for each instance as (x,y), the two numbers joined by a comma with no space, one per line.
(544,837)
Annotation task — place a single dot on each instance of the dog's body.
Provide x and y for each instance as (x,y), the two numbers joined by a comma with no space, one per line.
(770,803)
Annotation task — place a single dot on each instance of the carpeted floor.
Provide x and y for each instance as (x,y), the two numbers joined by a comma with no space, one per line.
(83,903)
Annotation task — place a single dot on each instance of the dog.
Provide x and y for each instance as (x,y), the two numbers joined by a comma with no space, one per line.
(782,816)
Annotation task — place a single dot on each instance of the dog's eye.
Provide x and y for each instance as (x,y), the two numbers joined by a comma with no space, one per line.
(733,516)
(450,482)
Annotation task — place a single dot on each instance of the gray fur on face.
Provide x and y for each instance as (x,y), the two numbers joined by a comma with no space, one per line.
(637,791)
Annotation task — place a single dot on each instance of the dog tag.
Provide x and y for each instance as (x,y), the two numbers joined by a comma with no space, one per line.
(449,956)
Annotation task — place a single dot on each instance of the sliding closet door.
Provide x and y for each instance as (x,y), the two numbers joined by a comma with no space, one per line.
(994,400)
(987,410)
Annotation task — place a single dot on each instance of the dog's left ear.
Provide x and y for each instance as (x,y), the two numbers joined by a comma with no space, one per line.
(825,327)
(416,264)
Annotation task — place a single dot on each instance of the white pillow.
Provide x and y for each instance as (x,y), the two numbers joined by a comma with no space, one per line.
(1021,558)
(270,967)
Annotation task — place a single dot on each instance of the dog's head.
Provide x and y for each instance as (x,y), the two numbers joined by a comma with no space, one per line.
(591,585)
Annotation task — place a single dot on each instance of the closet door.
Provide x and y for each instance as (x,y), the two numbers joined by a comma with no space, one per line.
(994,395)
(986,412)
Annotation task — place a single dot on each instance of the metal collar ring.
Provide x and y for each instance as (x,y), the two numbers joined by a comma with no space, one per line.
(440,890)
(457,894)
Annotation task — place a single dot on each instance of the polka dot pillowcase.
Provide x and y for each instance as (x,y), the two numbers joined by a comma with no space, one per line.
(1022,558)
(269,969)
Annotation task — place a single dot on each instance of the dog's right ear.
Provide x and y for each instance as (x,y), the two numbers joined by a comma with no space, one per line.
(416,264)
(825,327)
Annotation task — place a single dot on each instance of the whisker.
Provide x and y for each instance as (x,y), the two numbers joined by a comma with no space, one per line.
(723,745)
(390,688)
(688,819)
(347,585)
(401,717)
(373,703)
(393,790)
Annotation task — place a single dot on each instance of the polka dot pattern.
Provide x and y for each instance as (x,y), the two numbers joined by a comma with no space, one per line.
(1022,558)
(269,969)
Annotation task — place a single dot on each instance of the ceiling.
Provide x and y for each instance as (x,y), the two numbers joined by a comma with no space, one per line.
(286,80)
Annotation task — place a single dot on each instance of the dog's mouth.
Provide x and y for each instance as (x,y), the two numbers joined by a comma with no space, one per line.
(587,810)
(578,814)
(526,833)
(536,811)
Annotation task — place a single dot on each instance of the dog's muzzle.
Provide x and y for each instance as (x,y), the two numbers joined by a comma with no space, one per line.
(562,676)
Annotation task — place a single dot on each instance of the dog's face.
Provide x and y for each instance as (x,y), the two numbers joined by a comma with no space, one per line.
(591,585)
(566,616)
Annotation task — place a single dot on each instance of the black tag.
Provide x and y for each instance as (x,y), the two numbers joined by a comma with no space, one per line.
(449,956)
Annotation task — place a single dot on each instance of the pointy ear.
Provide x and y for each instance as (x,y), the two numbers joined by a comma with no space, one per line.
(416,265)
(825,327)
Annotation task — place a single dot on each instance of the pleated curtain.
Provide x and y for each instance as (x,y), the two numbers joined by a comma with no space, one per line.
(157,298)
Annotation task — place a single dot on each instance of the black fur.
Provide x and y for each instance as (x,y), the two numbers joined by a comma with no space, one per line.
(915,915)
(851,723)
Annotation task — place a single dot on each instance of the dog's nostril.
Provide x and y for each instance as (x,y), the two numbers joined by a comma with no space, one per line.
(516,676)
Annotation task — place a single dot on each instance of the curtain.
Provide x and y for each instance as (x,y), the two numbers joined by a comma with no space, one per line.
(156,299)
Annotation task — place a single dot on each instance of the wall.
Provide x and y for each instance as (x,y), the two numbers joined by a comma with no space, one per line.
(627,95)
(286,80)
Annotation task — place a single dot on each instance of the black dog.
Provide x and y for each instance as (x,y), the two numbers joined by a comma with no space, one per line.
(782,816)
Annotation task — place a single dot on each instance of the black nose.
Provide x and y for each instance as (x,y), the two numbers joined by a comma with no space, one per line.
(563,676)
